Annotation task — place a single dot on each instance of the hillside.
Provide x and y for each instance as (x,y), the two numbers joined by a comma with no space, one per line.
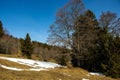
(49,73)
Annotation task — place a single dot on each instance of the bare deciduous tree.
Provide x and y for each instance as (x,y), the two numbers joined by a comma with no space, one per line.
(61,30)
(9,45)
(109,21)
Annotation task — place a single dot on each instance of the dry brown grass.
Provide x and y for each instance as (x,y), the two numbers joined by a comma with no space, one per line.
(51,74)
(79,74)
(56,74)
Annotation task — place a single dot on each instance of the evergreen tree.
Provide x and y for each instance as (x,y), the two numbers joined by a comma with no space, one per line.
(109,45)
(1,34)
(1,29)
(84,40)
(27,46)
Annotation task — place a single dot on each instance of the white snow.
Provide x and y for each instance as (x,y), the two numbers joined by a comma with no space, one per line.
(18,69)
(95,73)
(37,65)
(10,68)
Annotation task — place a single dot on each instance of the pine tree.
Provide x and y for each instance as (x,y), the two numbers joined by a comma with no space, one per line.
(27,46)
(1,29)
(109,45)
(84,40)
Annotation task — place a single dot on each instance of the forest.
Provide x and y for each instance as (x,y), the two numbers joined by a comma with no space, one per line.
(76,39)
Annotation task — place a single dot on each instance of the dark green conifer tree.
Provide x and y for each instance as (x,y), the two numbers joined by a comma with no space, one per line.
(27,48)
(84,40)
(109,44)
(1,29)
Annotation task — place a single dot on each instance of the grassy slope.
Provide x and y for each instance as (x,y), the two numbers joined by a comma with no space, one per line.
(52,74)
(57,74)
(13,64)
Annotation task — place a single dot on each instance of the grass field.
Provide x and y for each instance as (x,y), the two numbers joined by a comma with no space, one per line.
(50,74)
(56,74)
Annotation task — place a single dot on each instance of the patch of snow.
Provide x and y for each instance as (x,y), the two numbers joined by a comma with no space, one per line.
(84,79)
(32,69)
(95,73)
(32,63)
(18,69)
(11,68)
(37,65)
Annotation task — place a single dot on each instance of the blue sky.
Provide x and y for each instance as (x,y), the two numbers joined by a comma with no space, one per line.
(35,16)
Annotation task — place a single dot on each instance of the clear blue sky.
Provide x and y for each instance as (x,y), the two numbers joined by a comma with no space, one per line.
(35,16)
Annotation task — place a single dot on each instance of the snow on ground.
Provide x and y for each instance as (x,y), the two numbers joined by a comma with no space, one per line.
(18,69)
(37,65)
(11,68)
(96,73)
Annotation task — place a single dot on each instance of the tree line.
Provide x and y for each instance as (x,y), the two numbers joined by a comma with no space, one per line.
(24,47)
(76,38)
(94,43)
